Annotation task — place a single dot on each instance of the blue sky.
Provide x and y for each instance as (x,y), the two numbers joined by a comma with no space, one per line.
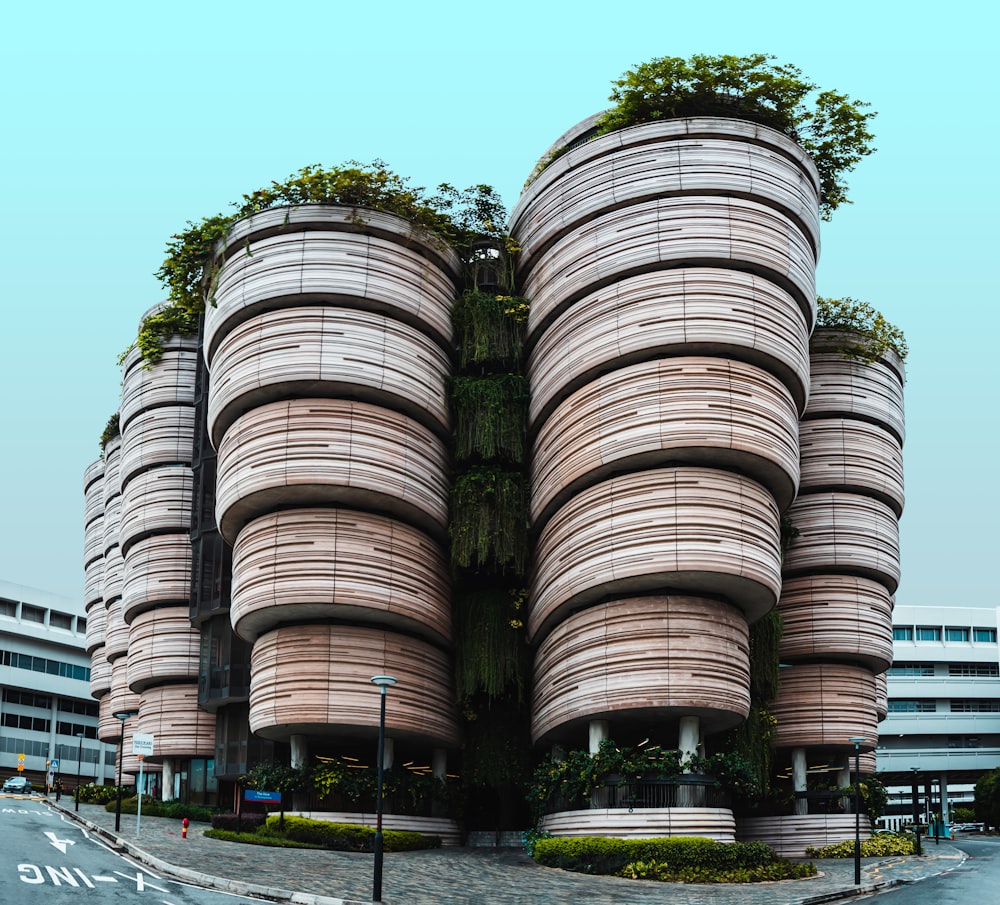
(122,121)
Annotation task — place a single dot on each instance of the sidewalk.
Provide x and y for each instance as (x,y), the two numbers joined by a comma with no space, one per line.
(454,876)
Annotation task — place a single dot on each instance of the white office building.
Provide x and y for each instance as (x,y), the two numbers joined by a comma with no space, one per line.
(47,712)
(942,730)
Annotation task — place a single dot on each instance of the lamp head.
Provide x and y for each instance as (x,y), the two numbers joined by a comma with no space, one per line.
(857,741)
(383,682)
(125,714)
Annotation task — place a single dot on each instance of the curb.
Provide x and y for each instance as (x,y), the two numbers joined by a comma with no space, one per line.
(238,887)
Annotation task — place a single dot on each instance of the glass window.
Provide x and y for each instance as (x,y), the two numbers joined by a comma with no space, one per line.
(60,620)
(32,613)
(975,706)
(954,633)
(974,670)
(911,669)
(988,635)
(928,633)
(911,706)
(902,633)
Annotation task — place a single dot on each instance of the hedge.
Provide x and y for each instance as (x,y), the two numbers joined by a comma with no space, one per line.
(346,837)
(676,856)
(248,823)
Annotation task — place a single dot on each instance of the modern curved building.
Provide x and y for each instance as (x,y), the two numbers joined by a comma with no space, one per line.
(279,500)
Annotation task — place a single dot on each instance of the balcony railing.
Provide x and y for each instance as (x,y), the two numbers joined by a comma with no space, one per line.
(683,792)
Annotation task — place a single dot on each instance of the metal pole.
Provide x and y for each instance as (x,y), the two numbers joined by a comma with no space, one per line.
(118,797)
(377,885)
(79,768)
(916,807)
(138,809)
(857,814)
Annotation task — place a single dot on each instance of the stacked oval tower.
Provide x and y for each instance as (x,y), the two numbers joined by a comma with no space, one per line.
(840,573)
(328,349)
(671,272)
(157,424)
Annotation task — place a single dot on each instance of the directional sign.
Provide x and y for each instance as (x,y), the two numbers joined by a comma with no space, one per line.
(258,795)
(142,743)
(60,843)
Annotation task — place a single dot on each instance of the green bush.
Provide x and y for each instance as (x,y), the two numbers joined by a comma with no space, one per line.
(248,823)
(879,846)
(95,794)
(345,837)
(257,839)
(678,857)
(776,870)
(151,807)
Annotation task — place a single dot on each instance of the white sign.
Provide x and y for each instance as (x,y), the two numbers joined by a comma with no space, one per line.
(142,743)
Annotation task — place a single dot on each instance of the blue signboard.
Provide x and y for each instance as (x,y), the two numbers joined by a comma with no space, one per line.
(257,795)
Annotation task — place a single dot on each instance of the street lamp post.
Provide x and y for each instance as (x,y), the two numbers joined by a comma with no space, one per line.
(122,716)
(856,741)
(916,806)
(79,768)
(383,683)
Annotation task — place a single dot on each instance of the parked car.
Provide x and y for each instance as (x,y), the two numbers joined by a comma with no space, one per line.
(966,827)
(17,784)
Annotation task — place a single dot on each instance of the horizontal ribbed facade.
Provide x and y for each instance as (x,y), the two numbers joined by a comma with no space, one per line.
(277,522)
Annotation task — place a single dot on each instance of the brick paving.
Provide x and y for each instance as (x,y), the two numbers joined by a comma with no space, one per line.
(463,875)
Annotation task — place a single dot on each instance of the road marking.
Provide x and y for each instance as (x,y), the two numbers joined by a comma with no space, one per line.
(55,873)
(85,878)
(60,843)
(102,879)
(140,882)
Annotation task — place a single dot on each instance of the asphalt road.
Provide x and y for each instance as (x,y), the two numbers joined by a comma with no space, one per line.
(976,881)
(46,859)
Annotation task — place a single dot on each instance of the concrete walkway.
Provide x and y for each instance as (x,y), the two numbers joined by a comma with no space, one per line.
(452,876)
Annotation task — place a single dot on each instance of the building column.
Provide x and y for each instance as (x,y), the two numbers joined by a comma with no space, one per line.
(945,810)
(387,754)
(167,792)
(300,750)
(299,757)
(799,779)
(688,737)
(439,766)
(439,763)
(845,776)
(598,733)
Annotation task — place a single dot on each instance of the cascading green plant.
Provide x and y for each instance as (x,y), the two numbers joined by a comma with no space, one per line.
(870,336)
(455,217)
(488,521)
(490,414)
(830,126)
(111,430)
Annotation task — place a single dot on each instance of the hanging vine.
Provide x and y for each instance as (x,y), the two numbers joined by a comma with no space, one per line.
(490,413)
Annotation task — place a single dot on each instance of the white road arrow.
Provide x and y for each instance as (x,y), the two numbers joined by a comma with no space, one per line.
(60,843)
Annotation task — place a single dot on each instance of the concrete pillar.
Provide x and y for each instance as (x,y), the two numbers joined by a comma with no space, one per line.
(845,776)
(167,791)
(558,754)
(439,762)
(299,757)
(439,766)
(387,754)
(300,750)
(688,737)
(799,779)
(598,733)
(945,810)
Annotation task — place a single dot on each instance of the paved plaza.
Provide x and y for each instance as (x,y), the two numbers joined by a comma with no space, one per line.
(461,875)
